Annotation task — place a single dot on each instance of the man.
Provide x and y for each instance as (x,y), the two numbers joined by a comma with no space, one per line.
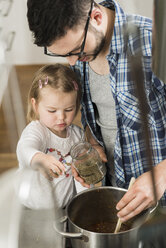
(91,37)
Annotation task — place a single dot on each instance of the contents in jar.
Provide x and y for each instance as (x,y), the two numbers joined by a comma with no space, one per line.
(87,162)
(90,171)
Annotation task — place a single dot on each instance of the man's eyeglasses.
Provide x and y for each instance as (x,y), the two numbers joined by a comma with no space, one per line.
(81,53)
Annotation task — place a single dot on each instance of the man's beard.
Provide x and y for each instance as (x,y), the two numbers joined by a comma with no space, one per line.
(100,40)
(100,43)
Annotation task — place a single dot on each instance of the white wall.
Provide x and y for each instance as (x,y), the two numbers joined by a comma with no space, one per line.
(141,7)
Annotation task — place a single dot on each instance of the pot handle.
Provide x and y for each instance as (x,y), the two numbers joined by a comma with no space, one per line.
(66,234)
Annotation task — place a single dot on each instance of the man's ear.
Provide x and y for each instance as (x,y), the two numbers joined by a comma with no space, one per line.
(96,16)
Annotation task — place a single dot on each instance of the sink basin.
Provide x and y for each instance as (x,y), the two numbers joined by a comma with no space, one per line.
(36,230)
(21,227)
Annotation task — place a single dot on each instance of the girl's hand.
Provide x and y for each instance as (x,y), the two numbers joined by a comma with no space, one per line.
(141,196)
(96,145)
(100,151)
(78,178)
(48,165)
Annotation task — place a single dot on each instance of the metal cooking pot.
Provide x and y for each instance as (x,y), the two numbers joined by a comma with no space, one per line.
(92,216)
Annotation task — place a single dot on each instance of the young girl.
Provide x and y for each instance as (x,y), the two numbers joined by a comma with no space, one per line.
(45,143)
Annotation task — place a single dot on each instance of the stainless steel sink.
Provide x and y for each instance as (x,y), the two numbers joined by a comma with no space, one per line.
(36,230)
(21,227)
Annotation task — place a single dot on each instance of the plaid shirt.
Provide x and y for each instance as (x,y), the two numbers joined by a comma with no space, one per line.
(129,152)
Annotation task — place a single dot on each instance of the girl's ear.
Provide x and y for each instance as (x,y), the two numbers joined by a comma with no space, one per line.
(34,105)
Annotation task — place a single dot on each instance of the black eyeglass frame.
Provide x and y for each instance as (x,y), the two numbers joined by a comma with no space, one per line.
(81,53)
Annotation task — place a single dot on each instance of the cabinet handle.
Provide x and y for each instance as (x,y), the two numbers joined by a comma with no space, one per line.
(10,41)
(6,13)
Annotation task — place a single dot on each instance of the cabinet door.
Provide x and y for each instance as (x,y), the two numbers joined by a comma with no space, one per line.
(14,26)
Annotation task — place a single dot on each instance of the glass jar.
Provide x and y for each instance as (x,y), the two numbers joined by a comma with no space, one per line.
(87,162)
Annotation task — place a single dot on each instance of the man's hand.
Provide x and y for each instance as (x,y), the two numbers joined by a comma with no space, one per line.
(141,196)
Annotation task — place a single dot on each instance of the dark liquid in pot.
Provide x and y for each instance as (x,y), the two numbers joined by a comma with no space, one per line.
(106,227)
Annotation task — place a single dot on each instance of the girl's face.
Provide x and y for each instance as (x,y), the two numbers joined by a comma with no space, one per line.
(56,109)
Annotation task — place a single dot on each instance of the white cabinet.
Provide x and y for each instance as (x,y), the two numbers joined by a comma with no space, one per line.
(23,51)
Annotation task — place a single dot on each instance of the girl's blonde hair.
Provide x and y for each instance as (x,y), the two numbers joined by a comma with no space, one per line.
(58,76)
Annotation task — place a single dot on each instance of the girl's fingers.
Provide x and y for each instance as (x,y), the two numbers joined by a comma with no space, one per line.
(60,167)
(53,174)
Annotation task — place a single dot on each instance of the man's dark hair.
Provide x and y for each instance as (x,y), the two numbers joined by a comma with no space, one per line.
(50,20)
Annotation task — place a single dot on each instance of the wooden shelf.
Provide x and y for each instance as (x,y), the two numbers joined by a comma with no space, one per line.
(7,161)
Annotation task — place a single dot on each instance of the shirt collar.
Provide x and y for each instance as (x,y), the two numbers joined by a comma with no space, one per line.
(117,43)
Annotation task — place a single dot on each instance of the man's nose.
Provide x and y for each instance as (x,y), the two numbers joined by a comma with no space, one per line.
(72,60)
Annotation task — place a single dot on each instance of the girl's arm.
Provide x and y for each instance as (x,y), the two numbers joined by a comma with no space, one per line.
(31,148)
(96,145)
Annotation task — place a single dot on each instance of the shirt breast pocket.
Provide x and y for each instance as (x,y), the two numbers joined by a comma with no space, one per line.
(129,114)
